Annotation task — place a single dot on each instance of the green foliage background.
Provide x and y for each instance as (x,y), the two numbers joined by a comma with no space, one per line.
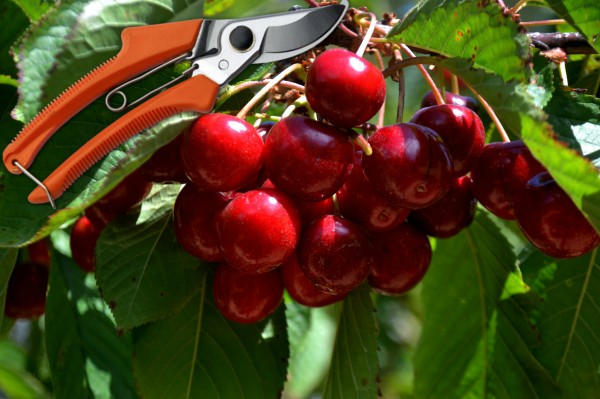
(493,317)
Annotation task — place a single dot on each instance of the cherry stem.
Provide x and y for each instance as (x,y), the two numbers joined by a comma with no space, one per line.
(454,84)
(563,73)
(491,113)
(544,22)
(254,83)
(336,205)
(520,4)
(300,101)
(262,92)
(361,141)
(436,92)
(365,42)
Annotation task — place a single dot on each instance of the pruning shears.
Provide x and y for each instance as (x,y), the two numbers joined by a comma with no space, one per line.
(217,50)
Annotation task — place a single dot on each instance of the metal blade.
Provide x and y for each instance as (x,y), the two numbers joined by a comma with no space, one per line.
(295,32)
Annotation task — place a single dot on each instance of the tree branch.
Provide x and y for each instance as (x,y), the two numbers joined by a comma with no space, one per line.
(570,43)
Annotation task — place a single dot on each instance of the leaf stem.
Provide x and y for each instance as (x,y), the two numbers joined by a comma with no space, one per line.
(545,22)
(262,92)
(434,89)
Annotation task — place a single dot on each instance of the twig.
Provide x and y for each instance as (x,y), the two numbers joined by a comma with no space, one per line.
(569,42)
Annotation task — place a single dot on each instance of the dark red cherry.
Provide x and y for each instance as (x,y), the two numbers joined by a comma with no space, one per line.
(344,88)
(246,298)
(26,291)
(410,166)
(309,210)
(551,221)
(99,216)
(130,192)
(460,128)
(221,153)
(258,230)
(84,237)
(500,173)
(360,203)
(165,166)
(402,257)
(39,252)
(195,222)
(451,98)
(452,213)
(301,289)
(307,159)
(335,254)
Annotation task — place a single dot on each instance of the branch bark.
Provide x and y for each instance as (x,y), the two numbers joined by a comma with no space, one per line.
(570,43)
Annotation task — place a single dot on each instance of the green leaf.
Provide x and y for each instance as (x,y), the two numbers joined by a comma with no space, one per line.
(34,9)
(568,320)
(584,15)
(8,259)
(86,356)
(354,370)
(197,353)
(311,332)
(7,80)
(477,337)
(475,30)
(143,272)
(13,22)
(20,384)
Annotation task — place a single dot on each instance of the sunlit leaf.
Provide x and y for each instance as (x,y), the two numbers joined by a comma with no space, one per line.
(34,9)
(584,15)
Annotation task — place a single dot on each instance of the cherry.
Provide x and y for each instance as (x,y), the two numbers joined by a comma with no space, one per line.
(460,128)
(402,257)
(451,98)
(130,192)
(84,237)
(500,173)
(26,291)
(551,221)
(221,152)
(307,159)
(344,88)
(195,226)
(335,254)
(39,252)
(258,230)
(452,213)
(246,298)
(98,215)
(410,166)
(301,289)
(360,203)
(165,165)
(309,210)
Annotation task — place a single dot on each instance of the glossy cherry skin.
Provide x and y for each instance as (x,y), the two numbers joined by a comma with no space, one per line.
(195,222)
(258,230)
(309,210)
(39,252)
(343,88)
(452,213)
(26,292)
(221,153)
(500,173)
(402,258)
(460,128)
(301,289)
(551,221)
(410,166)
(307,159)
(451,98)
(246,298)
(360,203)
(130,192)
(84,237)
(335,254)
(165,165)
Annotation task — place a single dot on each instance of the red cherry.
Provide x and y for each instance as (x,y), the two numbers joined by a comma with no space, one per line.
(246,298)
(98,215)
(307,159)
(165,165)
(344,88)
(410,166)
(452,213)
(130,192)
(301,289)
(221,153)
(84,237)
(195,213)
(335,254)
(402,257)
(360,203)
(39,252)
(309,210)
(460,128)
(500,173)
(451,98)
(26,291)
(551,221)
(258,230)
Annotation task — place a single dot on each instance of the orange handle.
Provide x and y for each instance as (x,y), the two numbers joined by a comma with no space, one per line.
(143,48)
(195,94)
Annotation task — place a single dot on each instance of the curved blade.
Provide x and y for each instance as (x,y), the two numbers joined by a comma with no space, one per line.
(295,32)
